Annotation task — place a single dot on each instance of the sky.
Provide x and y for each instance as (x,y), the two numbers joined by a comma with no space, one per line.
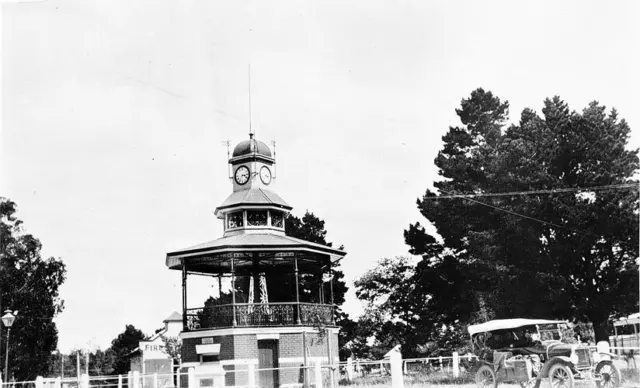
(114,113)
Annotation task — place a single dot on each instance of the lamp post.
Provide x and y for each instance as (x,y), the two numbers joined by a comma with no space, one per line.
(7,319)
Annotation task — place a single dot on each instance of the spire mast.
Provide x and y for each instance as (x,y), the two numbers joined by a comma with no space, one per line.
(250,112)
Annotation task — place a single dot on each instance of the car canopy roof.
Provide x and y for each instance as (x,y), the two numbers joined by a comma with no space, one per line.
(500,324)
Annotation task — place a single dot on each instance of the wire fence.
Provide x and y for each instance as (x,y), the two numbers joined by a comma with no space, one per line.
(452,369)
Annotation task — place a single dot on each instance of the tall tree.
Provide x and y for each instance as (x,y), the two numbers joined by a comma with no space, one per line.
(29,284)
(563,254)
(123,345)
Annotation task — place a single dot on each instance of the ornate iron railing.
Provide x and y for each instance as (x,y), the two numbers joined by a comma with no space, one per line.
(259,314)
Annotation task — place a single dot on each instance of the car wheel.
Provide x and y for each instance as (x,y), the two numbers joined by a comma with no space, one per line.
(608,375)
(560,376)
(486,377)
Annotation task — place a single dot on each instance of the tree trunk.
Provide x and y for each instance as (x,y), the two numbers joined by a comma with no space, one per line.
(601,329)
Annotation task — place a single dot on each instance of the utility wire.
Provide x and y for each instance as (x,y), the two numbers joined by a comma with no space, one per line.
(521,215)
(536,192)
(511,212)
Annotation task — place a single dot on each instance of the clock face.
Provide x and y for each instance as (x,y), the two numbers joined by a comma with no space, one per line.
(265,175)
(242,175)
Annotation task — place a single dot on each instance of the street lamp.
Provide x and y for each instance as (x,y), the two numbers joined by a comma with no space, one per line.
(8,319)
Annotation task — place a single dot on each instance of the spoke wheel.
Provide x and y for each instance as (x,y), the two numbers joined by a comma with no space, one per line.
(608,375)
(486,377)
(560,376)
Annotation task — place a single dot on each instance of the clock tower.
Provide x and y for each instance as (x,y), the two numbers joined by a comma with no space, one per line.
(252,165)
(276,311)
(252,207)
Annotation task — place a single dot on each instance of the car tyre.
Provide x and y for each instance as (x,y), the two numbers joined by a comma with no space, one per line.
(486,377)
(608,375)
(560,376)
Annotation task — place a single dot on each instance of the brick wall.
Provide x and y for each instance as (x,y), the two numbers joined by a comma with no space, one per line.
(227,351)
(245,346)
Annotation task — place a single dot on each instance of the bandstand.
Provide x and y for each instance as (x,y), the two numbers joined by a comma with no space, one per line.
(274,306)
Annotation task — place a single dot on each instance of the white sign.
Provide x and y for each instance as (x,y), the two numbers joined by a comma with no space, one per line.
(153,350)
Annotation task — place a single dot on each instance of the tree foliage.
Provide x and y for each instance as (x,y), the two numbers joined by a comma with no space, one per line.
(123,345)
(29,284)
(564,254)
(311,228)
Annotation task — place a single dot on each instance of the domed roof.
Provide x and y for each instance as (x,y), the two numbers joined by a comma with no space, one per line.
(251,146)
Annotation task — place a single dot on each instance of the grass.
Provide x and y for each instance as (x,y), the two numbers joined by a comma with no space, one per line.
(630,379)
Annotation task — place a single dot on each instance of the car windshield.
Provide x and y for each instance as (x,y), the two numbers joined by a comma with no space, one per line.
(550,332)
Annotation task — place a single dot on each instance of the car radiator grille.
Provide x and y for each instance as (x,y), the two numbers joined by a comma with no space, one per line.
(584,358)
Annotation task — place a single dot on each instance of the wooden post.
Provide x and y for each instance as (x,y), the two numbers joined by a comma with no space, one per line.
(155,380)
(78,366)
(39,382)
(397,380)
(441,366)
(233,293)
(456,365)
(119,381)
(252,375)
(350,369)
(57,383)
(85,381)
(86,367)
(192,378)
(318,373)
(330,357)
(129,379)
(136,379)
(295,263)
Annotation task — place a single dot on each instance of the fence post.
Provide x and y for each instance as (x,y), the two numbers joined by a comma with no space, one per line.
(441,366)
(39,382)
(252,375)
(405,368)
(129,379)
(136,379)
(192,378)
(318,373)
(57,383)
(350,369)
(397,380)
(119,381)
(155,380)
(85,381)
(456,365)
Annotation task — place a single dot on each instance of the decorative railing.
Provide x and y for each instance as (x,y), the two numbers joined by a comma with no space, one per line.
(259,314)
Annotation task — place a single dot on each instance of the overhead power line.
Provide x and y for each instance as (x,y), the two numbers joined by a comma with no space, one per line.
(536,192)
(523,215)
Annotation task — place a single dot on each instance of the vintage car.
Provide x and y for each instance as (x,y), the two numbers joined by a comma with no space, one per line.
(529,350)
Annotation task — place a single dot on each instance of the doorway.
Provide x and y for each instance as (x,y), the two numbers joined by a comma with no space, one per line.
(268,358)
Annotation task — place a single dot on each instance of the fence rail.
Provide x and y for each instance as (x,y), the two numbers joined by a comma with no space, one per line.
(391,371)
